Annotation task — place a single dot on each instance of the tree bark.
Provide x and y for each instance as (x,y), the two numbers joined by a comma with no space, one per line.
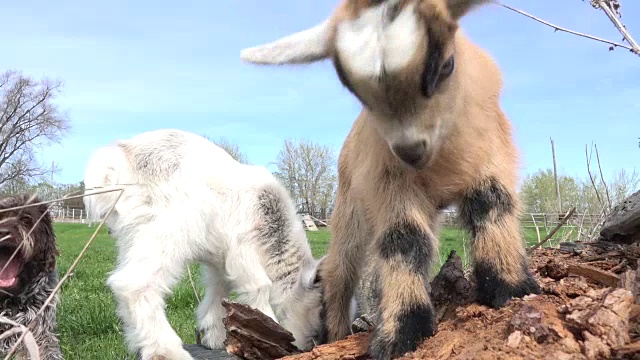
(253,335)
(623,224)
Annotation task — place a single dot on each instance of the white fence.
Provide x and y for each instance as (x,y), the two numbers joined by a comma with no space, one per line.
(67,214)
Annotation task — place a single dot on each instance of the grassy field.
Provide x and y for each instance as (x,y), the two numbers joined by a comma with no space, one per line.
(88,326)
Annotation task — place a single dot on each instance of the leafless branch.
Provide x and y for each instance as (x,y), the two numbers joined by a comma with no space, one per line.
(612,9)
(566,218)
(593,182)
(606,188)
(634,48)
(535,224)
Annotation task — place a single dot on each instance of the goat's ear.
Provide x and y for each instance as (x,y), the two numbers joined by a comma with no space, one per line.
(316,278)
(303,47)
(459,8)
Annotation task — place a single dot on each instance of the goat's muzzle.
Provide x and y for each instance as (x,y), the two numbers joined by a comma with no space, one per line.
(413,154)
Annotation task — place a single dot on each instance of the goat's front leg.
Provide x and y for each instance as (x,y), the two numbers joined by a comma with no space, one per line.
(210,311)
(403,252)
(249,279)
(490,210)
(140,284)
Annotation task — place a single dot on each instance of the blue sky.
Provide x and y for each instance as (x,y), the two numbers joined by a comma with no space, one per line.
(130,66)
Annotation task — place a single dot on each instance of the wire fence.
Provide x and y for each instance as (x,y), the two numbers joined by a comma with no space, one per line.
(545,221)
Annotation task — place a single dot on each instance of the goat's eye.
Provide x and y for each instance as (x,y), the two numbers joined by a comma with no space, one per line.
(447,68)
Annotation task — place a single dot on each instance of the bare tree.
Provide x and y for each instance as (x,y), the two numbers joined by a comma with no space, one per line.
(28,120)
(16,185)
(232,148)
(308,171)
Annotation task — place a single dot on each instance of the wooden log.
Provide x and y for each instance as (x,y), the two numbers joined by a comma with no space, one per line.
(253,335)
(450,288)
(600,276)
(354,347)
(623,224)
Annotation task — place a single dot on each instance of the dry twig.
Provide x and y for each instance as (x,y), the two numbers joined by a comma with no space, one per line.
(600,276)
(606,188)
(566,217)
(611,8)
(536,226)
(613,44)
(593,181)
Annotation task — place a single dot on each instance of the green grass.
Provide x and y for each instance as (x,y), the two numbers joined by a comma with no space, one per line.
(88,326)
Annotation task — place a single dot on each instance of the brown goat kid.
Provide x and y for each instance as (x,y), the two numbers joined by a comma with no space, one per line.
(431,134)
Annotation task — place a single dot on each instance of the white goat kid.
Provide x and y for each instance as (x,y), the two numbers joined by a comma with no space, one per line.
(186,199)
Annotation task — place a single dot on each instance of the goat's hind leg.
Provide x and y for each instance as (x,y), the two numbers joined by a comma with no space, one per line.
(341,268)
(490,212)
(210,311)
(143,279)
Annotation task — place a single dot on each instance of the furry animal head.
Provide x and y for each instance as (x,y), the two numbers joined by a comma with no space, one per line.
(305,316)
(304,308)
(24,253)
(400,58)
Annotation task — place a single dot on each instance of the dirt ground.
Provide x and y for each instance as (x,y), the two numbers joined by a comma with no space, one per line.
(589,309)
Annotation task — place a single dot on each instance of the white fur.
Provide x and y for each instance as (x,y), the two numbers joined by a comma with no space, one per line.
(186,200)
(371,44)
(367,44)
(302,47)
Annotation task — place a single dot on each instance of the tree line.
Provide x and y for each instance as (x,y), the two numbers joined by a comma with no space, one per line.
(591,194)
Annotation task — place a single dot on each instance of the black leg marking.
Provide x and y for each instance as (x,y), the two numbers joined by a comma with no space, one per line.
(410,243)
(479,203)
(479,208)
(414,325)
(494,292)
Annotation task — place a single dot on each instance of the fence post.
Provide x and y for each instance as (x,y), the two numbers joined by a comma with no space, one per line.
(535,224)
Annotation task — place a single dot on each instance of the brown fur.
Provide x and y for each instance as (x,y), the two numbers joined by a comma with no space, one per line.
(470,161)
(27,233)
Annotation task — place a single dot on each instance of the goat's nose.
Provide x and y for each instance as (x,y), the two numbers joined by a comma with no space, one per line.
(411,153)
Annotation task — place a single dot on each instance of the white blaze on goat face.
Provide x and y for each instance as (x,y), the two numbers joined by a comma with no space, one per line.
(382,38)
